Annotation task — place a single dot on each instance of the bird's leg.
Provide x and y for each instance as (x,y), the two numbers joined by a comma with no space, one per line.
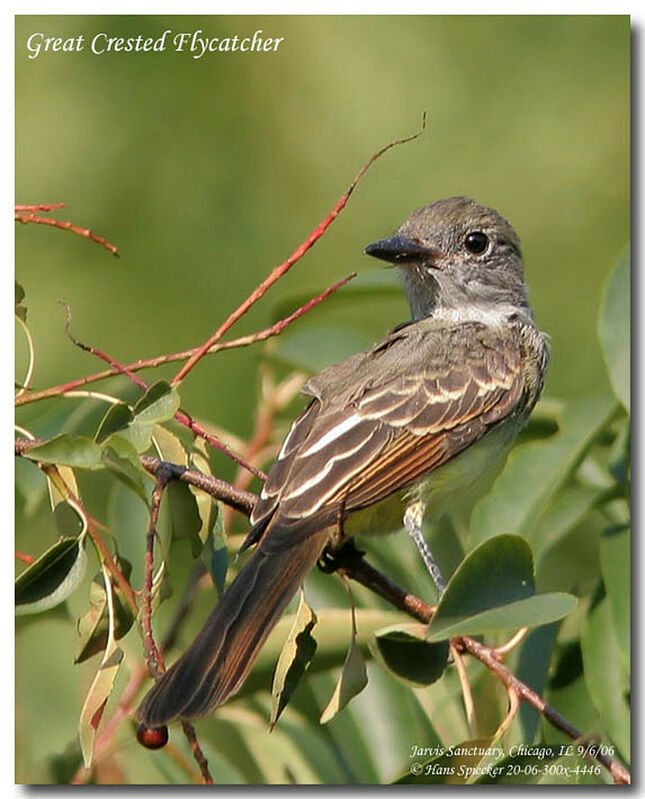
(413,519)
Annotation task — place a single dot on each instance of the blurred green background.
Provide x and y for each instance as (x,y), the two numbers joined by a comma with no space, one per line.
(206,173)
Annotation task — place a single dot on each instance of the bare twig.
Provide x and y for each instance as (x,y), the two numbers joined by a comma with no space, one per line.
(153,655)
(160,360)
(272,400)
(282,269)
(219,489)
(466,690)
(358,569)
(242,501)
(189,732)
(180,416)
(512,642)
(29,213)
(187,420)
(116,366)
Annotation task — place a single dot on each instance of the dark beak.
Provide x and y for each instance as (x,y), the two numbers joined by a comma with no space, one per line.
(400,250)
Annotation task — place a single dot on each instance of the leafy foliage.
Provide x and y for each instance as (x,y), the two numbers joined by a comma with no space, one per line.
(547,548)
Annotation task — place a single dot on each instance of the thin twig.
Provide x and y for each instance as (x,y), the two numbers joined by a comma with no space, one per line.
(200,758)
(116,366)
(358,569)
(154,658)
(34,208)
(466,690)
(29,213)
(160,360)
(187,420)
(57,479)
(282,269)
(242,501)
(180,416)
(239,499)
(512,642)
(272,400)
(513,707)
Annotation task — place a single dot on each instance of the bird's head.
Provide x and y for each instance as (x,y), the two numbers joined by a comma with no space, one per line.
(455,253)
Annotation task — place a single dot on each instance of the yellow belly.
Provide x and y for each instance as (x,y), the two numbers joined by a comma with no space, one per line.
(437,488)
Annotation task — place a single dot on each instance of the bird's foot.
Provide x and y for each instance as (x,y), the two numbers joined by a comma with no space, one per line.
(333,559)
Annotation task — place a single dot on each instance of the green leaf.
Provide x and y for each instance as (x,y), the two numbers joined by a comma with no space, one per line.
(353,678)
(331,636)
(619,454)
(70,522)
(169,447)
(20,307)
(604,674)
(56,494)
(77,451)
(158,404)
(404,652)
(117,418)
(92,628)
(49,580)
(615,566)
(533,663)
(294,659)
(212,532)
(122,459)
(138,434)
(535,471)
(314,348)
(184,515)
(614,328)
(215,552)
(494,589)
(566,511)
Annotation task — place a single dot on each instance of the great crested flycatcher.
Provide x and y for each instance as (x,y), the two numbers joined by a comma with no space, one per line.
(387,437)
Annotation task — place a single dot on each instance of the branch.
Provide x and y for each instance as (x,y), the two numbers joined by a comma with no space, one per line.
(29,213)
(154,659)
(236,498)
(160,360)
(357,568)
(180,416)
(239,499)
(282,269)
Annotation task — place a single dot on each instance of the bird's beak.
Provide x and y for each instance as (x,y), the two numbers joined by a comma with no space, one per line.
(400,250)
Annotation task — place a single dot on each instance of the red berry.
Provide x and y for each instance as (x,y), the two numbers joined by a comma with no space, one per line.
(152,737)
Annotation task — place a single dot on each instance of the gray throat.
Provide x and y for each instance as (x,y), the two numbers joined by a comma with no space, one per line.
(431,294)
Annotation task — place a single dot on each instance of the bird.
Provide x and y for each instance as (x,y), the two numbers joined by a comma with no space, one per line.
(387,438)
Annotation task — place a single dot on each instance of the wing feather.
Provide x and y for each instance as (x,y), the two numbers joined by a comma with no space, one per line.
(390,418)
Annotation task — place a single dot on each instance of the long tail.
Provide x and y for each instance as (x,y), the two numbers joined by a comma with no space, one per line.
(215,665)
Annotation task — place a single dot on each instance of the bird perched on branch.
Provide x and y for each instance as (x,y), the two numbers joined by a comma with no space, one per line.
(388,436)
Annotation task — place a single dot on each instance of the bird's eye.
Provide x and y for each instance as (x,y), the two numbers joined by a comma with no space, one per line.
(476,242)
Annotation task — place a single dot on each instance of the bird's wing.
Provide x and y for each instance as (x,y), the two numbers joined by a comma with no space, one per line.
(399,416)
